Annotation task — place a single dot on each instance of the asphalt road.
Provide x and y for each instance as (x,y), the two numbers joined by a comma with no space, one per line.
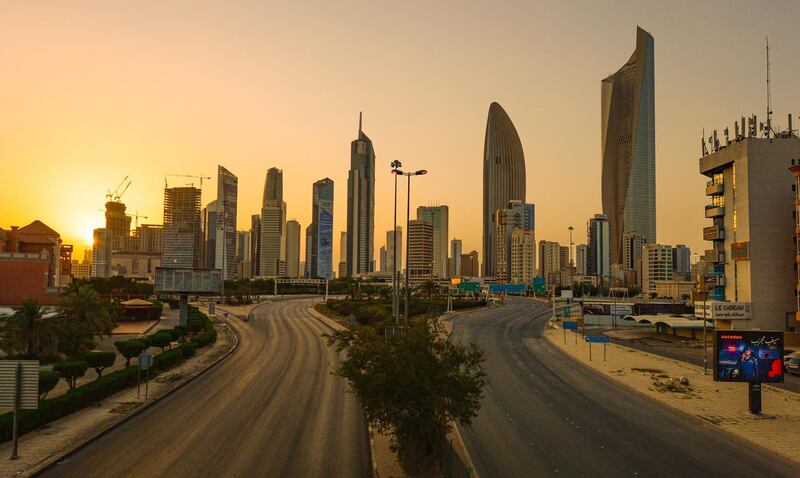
(271,409)
(544,414)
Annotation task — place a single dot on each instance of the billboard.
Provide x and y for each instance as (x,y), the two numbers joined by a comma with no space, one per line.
(188,281)
(748,356)
(720,310)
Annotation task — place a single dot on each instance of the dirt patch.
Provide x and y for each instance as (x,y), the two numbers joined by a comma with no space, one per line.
(170,377)
(125,407)
(672,385)
(647,370)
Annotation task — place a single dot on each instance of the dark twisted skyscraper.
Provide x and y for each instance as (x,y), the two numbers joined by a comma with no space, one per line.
(628,145)
(361,205)
(503,176)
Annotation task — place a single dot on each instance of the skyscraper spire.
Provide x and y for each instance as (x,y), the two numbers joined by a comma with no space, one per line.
(359,123)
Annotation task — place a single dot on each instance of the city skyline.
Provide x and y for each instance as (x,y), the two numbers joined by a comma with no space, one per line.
(88,124)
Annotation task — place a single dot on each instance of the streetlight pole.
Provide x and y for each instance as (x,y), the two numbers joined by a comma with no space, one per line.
(408,223)
(395,273)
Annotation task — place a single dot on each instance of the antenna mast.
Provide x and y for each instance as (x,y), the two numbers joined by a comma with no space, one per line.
(769,97)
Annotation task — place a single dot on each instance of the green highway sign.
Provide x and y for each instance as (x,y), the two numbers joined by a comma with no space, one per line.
(469,286)
(566,311)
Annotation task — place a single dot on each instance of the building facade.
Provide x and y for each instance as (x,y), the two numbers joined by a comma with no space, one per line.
(292,248)
(394,263)
(681,262)
(517,215)
(319,251)
(342,269)
(361,206)
(503,177)
(752,214)
(470,266)
(272,227)
(632,243)
(454,268)
(438,218)
(628,142)
(549,260)
(183,239)
(523,256)
(420,250)
(598,248)
(656,266)
(580,259)
(225,232)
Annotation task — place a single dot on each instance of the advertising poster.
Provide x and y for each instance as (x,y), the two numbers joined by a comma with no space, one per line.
(748,356)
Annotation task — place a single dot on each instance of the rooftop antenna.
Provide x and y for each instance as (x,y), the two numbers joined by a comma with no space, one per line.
(769,97)
(359,122)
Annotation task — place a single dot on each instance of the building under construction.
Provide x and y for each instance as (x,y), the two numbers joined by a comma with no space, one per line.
(183,238)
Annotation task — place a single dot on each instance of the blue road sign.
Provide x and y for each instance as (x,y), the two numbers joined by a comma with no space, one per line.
(597,338)
(570,326)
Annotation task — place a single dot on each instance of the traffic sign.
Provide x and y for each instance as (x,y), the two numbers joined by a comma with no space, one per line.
(469,286)
(597,338)
(145,360)
(569,325)
(26,374)
(566,311)
(539,285)
(507,288)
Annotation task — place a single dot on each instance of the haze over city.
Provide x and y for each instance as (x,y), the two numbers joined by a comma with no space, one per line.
(101,90)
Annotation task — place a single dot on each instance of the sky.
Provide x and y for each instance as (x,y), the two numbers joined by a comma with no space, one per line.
(96,91)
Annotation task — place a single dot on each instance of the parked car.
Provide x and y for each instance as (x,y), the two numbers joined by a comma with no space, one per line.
(790,354)
(793,365)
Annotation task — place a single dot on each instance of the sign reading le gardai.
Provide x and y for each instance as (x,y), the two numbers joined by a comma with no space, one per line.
(718,310)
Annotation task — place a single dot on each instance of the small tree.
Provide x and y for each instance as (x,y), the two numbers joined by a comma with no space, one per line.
(412,385)
(71,371)
(100,360)
(47,382)
(130,349)
(174,333)
(160,340)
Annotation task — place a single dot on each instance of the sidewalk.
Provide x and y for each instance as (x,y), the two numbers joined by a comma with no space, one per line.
(39,448)
(723,404)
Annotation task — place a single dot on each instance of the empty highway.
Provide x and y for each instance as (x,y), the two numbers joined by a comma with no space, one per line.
(545,415)
(273,408)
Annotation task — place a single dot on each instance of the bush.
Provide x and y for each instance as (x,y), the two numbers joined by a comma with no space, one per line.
(175,334)
(188,349)
(47,382)
(161,340)
(130,349)
(71,371)
(100,360)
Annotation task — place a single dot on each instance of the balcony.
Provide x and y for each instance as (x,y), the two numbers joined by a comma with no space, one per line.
(715,211)
(715,189)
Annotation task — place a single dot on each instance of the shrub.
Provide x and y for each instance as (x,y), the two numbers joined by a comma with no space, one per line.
(130,349)
(71,371)
(184,330)
(47,382)
(188,349)
(100,360)
(161,340)
(175,334)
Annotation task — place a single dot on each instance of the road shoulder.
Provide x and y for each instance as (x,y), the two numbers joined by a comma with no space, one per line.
(721,404)
(54,442)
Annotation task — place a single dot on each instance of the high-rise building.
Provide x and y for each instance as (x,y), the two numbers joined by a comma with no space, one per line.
(656,266)
(469,265)
(681,262)
(225,243)
(632,243)
(563,256)
(272,227)
(292,248)
(420,250)
(210,216)
(503,177)
(516,215)
(455,258)
(523,256)
(255,245)
(580,259)
(598,252)
(151,238)
(117,221)
(101,252)
(342,269)
(384,267)
(183,239)
(549,260)
(628,145)
(437,217)
(361,206)
(394,264)
(244,265)
(752,213)
(319,251)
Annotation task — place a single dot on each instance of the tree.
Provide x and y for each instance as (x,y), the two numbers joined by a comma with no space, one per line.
(100,361)
(84,315)
(47,382)
(413,385)
(130,349)
(27,332)
(161,340)
(428,287)
(71,370)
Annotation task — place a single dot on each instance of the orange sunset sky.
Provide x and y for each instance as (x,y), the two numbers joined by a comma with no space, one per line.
(95,91)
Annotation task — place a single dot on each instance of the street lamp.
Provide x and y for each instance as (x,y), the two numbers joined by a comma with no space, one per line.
(396,165)
(399,172)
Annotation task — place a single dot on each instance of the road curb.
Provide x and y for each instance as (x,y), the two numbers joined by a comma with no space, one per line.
(62,456)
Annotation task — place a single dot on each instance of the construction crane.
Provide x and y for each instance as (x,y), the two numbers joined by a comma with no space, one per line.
(111,194)
(136,217)
(201,178)
(117,197)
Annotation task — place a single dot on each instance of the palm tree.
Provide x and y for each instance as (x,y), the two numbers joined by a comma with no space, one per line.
(27,331)
(428,287)
(84,315)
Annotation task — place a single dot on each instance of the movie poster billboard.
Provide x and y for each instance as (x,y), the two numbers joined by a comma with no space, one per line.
(748,356)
